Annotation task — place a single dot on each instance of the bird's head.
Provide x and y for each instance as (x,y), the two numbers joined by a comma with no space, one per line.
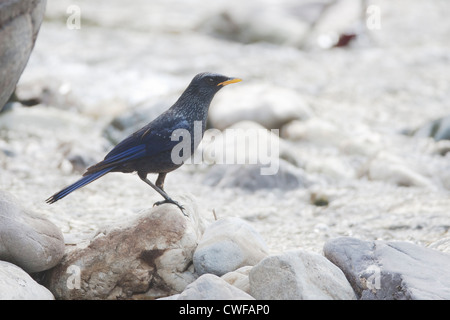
(210,83)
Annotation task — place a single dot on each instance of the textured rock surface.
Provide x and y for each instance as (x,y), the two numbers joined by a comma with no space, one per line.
(16,284)
(27,239)
(19,25)
(227,245)
(149,257)
(239,278)
(391,270)
(298,274)
(211,287)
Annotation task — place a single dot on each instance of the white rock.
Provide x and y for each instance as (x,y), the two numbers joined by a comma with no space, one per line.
(274,107)
(16,284)
(298,274)
(26,238)
(393,169)
(315,130)
(245,142)
(227,245)
(210,287)
(334,167)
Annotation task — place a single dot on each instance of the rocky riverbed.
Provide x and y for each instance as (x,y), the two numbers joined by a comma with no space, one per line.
(358,157)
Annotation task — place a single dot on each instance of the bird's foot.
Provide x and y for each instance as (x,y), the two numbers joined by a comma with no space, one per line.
(172,202)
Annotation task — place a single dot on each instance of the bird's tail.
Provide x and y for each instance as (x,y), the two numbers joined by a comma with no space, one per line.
(80,183)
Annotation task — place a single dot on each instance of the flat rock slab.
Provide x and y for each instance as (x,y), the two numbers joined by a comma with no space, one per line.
(391,270)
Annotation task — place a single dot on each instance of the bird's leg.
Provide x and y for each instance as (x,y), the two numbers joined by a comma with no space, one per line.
(160,181)
(159,188)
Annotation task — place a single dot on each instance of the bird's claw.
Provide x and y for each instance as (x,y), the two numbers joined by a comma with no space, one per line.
(158,203)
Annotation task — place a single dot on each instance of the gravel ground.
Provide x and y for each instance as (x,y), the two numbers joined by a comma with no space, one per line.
(375,181)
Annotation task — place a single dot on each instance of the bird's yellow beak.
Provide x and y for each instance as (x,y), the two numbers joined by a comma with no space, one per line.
(229,82)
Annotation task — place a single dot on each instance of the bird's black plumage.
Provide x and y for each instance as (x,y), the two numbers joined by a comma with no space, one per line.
(149,149)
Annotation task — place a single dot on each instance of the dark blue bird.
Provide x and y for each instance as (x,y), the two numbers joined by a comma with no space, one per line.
(149,150)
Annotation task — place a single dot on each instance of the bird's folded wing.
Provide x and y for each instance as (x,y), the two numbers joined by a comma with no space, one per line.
(153,139)
(146,142)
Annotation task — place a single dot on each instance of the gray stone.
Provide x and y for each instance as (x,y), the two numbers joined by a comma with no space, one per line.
(16,284)
(149,257)
(249,176)
(227,245)
(394,169)
(298,274)
(26,238)
(210,287)
(438,129)
(19,25)
(391,270)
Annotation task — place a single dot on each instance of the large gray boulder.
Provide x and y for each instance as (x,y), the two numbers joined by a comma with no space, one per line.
(149,257)
(298,275)
(391,270)
(16,284)
(26,238)
(20,21)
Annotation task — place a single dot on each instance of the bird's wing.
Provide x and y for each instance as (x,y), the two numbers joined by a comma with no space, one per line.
(146,142)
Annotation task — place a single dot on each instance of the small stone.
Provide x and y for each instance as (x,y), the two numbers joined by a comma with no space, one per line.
(438,129)
(301,275)
(239,278)
(210,287)
(392,169)
(284,176)
(227,245)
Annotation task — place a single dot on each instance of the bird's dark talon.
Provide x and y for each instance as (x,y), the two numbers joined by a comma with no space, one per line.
(158,203)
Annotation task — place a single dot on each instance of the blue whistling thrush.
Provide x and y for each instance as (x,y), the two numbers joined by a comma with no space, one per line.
(149,150)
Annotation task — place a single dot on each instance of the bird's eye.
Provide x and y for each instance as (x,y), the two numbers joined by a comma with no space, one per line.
(210,80)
